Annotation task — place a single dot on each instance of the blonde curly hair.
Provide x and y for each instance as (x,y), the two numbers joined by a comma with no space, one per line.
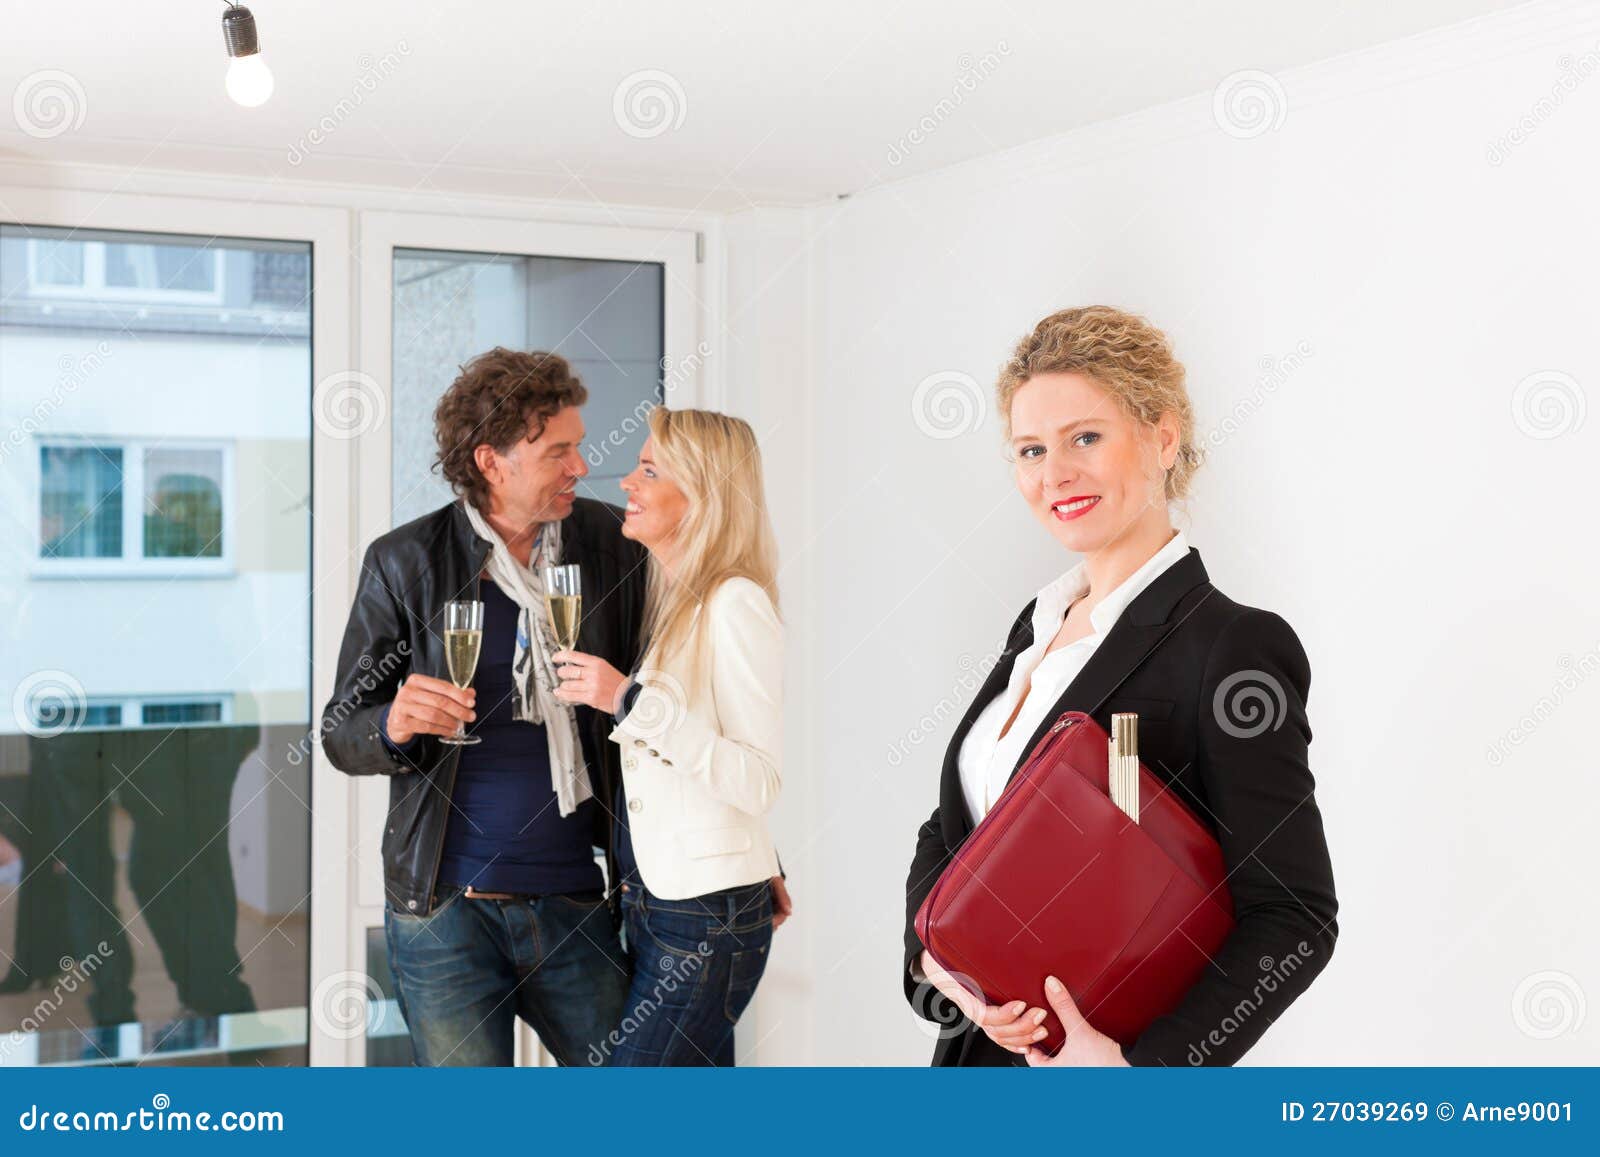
(1124,354)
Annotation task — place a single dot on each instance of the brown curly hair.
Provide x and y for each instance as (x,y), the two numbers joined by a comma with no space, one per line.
(500,397)
(1127,356)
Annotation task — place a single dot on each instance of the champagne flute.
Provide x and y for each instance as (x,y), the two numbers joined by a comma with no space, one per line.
(563,599)
(463,639)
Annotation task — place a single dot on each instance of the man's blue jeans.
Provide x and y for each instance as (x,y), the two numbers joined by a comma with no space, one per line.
(696,964)
(465,973)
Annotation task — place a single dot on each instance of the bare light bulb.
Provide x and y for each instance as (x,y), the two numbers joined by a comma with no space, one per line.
(249,80)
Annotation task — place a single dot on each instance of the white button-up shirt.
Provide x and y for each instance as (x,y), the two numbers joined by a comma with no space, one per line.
(987,759)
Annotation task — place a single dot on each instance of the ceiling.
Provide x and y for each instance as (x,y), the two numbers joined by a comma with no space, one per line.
(736,104)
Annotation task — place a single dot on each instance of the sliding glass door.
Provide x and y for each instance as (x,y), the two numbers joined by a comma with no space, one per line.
(617,303)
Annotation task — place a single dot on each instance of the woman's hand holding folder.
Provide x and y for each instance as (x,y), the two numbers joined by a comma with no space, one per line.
(1085,1045)
(1012,1026)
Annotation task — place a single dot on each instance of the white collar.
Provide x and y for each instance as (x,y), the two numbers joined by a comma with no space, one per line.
(1055,598)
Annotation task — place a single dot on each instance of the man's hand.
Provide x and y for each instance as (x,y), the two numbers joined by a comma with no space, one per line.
(1013,1026)
(782,905)
(428,706)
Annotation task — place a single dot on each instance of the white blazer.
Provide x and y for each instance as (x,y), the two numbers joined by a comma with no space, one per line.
(700,764)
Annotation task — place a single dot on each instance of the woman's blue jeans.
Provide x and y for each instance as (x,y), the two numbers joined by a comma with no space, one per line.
(696,964)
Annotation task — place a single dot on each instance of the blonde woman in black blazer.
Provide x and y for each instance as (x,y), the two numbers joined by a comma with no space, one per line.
(1102,437)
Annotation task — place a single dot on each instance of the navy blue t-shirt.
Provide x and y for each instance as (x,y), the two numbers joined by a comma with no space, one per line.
(506,832)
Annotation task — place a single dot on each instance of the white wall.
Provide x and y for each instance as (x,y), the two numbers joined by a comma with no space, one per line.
(764,343)
(1357,295)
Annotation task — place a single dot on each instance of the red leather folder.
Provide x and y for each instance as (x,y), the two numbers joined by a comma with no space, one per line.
(1058,881)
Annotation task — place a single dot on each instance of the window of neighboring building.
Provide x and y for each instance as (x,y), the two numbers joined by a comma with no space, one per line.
(108,506)
(135,271)
(102,711)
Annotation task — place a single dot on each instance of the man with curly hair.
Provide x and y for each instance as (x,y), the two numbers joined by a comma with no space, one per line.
(495,905)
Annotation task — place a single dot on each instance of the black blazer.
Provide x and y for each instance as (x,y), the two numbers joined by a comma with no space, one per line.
(1222,720)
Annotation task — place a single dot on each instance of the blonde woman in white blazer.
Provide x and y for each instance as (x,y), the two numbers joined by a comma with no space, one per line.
(700,725)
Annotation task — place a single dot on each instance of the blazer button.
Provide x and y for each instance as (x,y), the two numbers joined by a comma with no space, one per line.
(411,904)
(635,805)
(638,743)
(654,752)
(666,763)
(629,762)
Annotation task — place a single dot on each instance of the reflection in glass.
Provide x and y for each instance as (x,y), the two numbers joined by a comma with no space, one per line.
(154,832)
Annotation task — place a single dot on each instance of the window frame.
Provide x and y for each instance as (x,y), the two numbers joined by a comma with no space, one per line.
(133,562)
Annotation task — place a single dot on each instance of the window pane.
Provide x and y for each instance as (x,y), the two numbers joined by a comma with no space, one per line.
(58,263)
(154,750)
(80,502)
(182,713)
(97,715)
(171,267)
(605,317)
(183,504)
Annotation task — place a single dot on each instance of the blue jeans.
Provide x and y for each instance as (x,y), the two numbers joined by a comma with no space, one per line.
(696,964)
(465,973)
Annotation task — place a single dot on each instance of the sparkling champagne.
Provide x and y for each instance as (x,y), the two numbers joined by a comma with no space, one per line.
(565,610)
(463,636)
(461,653)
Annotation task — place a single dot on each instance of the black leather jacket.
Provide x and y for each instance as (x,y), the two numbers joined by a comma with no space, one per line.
(406,578)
